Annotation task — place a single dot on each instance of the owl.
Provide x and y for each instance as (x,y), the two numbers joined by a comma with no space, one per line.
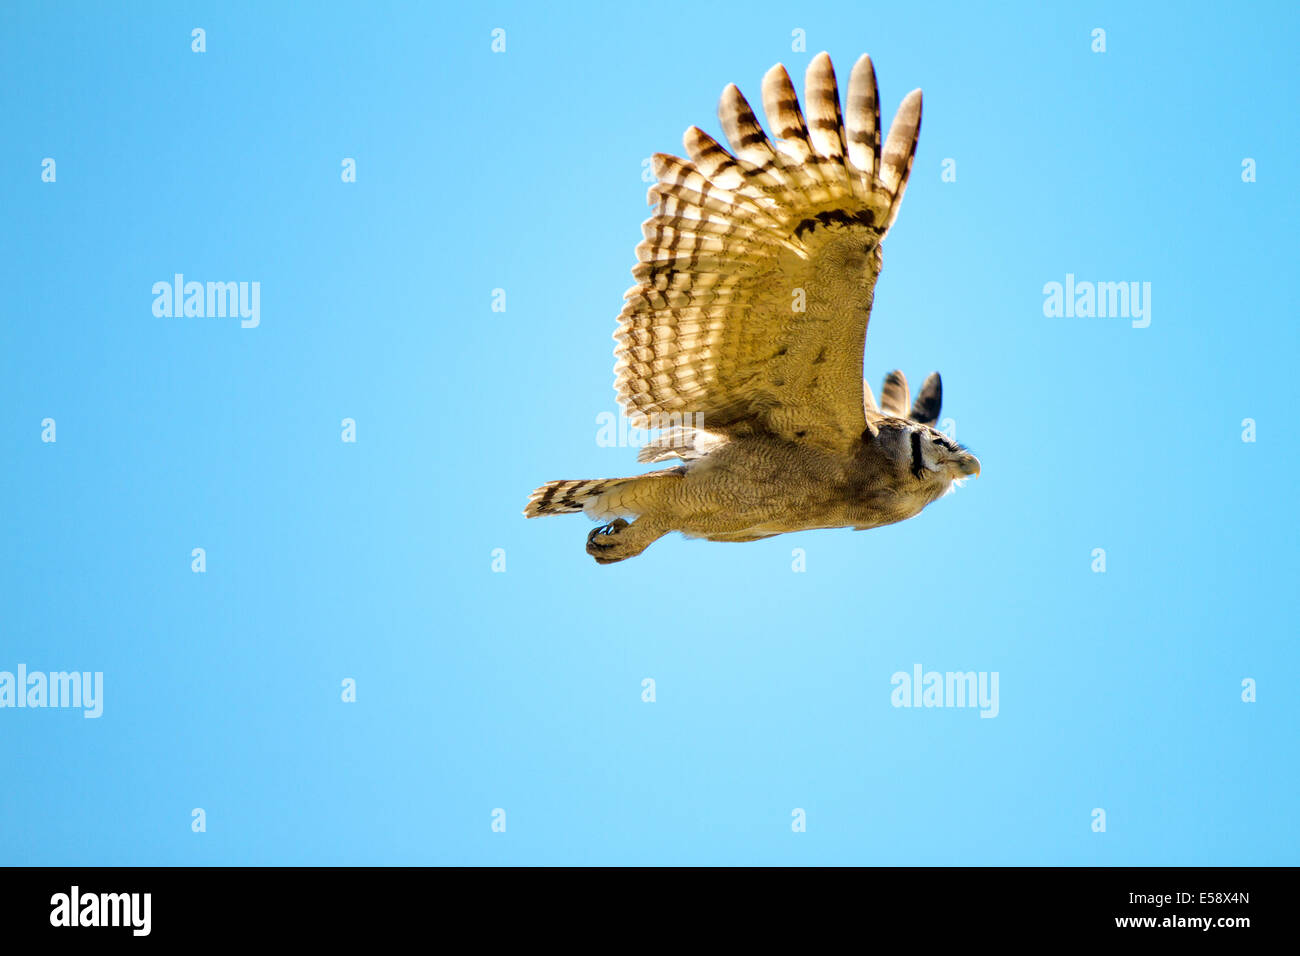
(741,344)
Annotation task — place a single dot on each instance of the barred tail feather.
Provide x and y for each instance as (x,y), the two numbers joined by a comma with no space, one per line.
(565,497)
(607,498)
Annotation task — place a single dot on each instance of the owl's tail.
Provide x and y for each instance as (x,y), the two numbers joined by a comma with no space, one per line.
(602,498)
(569,497)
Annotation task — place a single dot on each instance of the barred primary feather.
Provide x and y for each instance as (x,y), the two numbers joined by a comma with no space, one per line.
(781,104)
(825,128)
(862,123)
(900,151)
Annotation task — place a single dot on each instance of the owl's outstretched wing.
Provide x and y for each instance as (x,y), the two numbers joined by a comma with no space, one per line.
(756,276)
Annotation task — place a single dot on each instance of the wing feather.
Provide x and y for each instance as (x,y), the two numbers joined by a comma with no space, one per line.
(862,121)
(758,265)
(825,127)
(900,150)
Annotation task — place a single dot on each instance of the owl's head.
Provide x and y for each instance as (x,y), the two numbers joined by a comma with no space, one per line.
(924,453)
(936,456)
(908,437)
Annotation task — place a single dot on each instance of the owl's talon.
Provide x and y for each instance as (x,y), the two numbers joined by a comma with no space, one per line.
(605,531)
(605,539)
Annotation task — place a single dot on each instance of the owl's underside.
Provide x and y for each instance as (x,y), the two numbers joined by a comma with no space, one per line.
(755,284)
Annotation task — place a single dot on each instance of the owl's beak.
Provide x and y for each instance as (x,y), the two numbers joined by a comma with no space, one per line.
(969,465)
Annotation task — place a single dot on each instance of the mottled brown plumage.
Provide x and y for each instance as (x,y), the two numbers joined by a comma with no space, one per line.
(754,286)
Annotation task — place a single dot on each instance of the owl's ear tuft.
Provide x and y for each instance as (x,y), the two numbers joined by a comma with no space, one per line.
(894,397)
(926,407)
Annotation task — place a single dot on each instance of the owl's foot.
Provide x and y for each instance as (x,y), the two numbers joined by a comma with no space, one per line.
(602,543)
(620,540)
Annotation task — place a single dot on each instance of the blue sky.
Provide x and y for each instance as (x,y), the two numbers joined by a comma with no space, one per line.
(522,690)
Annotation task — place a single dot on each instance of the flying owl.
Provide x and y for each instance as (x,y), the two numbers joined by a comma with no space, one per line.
(742,339)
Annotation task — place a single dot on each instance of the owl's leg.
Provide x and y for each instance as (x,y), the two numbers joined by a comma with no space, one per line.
(620,540)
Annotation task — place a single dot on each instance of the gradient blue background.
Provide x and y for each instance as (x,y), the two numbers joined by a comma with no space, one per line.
(521,689)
